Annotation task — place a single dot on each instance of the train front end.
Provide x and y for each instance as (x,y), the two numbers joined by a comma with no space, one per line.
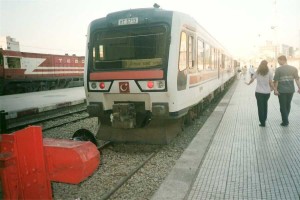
(126,75)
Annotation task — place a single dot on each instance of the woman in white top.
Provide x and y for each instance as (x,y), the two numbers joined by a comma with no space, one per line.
(263,89)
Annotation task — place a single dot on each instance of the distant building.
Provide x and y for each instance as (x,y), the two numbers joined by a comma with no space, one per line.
(267,51)
(9,43)
(270,50)
(285,50)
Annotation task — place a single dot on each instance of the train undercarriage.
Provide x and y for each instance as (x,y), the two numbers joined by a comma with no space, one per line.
(25,86)
(125,124)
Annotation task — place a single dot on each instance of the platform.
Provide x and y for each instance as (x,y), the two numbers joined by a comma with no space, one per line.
(35,102)
(232,157)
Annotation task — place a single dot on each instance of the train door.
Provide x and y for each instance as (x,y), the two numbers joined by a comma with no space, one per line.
(182,63)
(187,59)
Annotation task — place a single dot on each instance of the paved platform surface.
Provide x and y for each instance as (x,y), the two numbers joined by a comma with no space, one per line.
(231,157)
(28,103)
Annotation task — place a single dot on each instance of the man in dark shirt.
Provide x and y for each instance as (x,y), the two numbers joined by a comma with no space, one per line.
(284,87)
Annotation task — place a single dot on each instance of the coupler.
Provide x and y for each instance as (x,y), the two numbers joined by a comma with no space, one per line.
(28,163)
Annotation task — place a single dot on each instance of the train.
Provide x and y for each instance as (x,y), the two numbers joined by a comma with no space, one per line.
(148,71)
(22,72)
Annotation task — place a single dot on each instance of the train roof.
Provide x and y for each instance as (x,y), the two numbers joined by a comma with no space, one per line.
(112,19)
(21,54)
(151,15)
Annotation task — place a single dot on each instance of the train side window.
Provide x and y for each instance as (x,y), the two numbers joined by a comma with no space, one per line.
(217,65)
(213,58)
(217,59)
(183,52)
(200,55)
(207,54)
(191,54)
(223,61)
(14,63)
(1,60)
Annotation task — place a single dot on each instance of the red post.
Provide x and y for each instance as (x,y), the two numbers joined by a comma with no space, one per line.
(28,163)
(23,167)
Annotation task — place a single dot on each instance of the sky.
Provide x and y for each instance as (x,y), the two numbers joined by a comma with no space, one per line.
(60,26)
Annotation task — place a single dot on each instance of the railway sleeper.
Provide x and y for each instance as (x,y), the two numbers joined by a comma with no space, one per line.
(158,131)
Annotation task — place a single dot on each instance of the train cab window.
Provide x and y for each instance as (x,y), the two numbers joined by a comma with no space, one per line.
(183,52)
(98,53)
(200,55)
(13,63)
(191,54)
(129,48)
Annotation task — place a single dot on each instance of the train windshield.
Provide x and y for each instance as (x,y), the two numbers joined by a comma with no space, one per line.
(134,48)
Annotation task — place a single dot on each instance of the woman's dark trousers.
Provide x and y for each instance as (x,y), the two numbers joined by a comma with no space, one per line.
(262,105)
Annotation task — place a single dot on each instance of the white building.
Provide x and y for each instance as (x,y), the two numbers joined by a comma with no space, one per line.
(8,43)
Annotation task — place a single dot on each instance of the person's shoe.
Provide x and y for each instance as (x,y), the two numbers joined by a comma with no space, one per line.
(284,124)
(262,125)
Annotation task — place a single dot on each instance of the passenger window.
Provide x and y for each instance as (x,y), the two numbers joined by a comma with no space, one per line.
(207,55)
(182,52)
(213,58)
(191,55)
(200,55)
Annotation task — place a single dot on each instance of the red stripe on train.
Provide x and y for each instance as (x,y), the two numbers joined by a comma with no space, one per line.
(57,70)
(124,75)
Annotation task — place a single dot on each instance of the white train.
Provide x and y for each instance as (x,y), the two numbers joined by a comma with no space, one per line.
(147,70)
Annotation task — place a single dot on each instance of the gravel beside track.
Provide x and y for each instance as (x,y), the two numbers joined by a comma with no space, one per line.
(119,160)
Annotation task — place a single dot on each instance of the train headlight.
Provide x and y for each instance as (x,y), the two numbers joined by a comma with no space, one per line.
(152,85)
(102,85)
(93,85)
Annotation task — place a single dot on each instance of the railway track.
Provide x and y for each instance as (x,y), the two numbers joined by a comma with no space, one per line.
(61,117)
(132,171)
(124,180)
(126,171)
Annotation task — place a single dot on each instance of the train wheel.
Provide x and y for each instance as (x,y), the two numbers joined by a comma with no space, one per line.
(62,84)
(190,117)
(18,90)
(84,135)
(44,87)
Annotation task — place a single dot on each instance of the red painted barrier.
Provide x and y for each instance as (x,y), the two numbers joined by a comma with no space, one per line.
(23,167)
(70,161)
(27,165)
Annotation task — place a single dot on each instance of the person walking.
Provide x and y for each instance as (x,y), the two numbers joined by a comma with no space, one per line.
(284,87)
(263,89)
(251,71)
(244,72)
